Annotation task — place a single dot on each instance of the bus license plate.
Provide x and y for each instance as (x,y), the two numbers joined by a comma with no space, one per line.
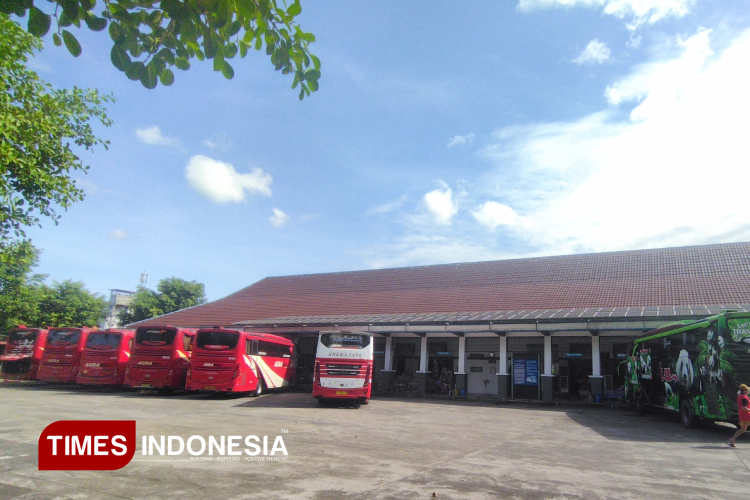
(145,385)
(210,387)
(341,393)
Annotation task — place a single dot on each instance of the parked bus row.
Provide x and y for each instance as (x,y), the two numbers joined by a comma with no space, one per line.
(167,358)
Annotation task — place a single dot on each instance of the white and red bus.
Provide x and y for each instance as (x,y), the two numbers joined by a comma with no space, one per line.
(235,361)
(62,354)
(23,353)
(343,366)
(105,357)
(160,358)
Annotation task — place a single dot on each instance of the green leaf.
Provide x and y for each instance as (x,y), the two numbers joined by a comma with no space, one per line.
(167,77)
(39,22)
(56,39)
(243,49)
(313,84)
(148,77)
(135,70)
(294,10)
(71,43)
(227,71)
(246,8)
(316,62)
(312,75)
(117,33)
(182,64)
(230,51)
(65,19)
(301,93)
(233,29)
(218,63)
(120,58)
(158,65)
(258,43)
(96,23)
(166,55)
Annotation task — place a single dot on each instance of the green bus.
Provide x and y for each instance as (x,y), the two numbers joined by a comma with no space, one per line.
(693,368)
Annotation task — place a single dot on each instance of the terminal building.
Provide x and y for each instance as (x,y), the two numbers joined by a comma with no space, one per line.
(536,328)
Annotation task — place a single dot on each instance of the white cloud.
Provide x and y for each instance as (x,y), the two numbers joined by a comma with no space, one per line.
(596,52)
(221,142)
(461,139)
(387,207)
(221,183)
(153,136)
(441,205)
(666,174)
(639,11)
(278,218)
(118,234)
(492,214)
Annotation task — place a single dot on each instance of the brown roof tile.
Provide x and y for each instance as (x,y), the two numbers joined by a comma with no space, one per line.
(687,276)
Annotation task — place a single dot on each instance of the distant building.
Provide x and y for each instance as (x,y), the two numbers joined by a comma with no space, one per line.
(119,300)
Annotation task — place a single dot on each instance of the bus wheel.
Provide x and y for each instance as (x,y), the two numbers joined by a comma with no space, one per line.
(322,401)
(259,388)
(641,404)
(686,414)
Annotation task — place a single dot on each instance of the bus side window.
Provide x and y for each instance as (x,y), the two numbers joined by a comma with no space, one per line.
(254,348)
(187,341)
(130,344)
(285,350)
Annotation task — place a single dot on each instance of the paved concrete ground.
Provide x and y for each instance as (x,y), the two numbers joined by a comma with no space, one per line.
(389,449)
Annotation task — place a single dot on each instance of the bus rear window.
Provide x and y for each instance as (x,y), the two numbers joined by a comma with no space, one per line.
(103,340)
(23,337)
(155,336)
(63,337)
(225,340)
(351,340)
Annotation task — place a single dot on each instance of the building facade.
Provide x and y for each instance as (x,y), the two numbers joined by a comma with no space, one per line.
(537,328)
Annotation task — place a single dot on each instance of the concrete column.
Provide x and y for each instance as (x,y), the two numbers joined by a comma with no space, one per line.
(461,373)
(548,384)
(388,354)
(422,373)
(597,381)
(387,373)
(503,379)
(423,355)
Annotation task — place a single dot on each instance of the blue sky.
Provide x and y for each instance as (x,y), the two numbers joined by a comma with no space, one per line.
(442,132)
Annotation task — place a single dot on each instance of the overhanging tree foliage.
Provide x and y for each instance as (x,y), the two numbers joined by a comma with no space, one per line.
(69,303)
(172,295)
(150,37)
(37,126)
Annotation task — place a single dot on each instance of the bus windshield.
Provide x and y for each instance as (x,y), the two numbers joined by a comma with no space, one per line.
(218,340)
(103,341)
(350,340)
(63,337)
(156,336)
(23,337)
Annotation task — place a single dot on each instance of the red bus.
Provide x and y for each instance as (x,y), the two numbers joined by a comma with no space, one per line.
(160,358)
(105,357)
(235,361)
(23,353)
(343,366)
(62,354)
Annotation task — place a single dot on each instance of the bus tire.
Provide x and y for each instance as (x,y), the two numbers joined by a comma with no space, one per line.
(259,388)
(322,401)
(686,414)
(640,404)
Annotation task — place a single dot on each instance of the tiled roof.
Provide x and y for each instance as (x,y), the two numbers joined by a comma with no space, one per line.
(685,277)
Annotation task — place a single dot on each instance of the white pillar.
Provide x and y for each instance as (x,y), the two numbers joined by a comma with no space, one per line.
(461,355)
(596,362)
(423,355)
(503,368)
(548,355)
(388,354)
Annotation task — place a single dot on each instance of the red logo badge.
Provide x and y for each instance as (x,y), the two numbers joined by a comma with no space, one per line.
(87,445)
